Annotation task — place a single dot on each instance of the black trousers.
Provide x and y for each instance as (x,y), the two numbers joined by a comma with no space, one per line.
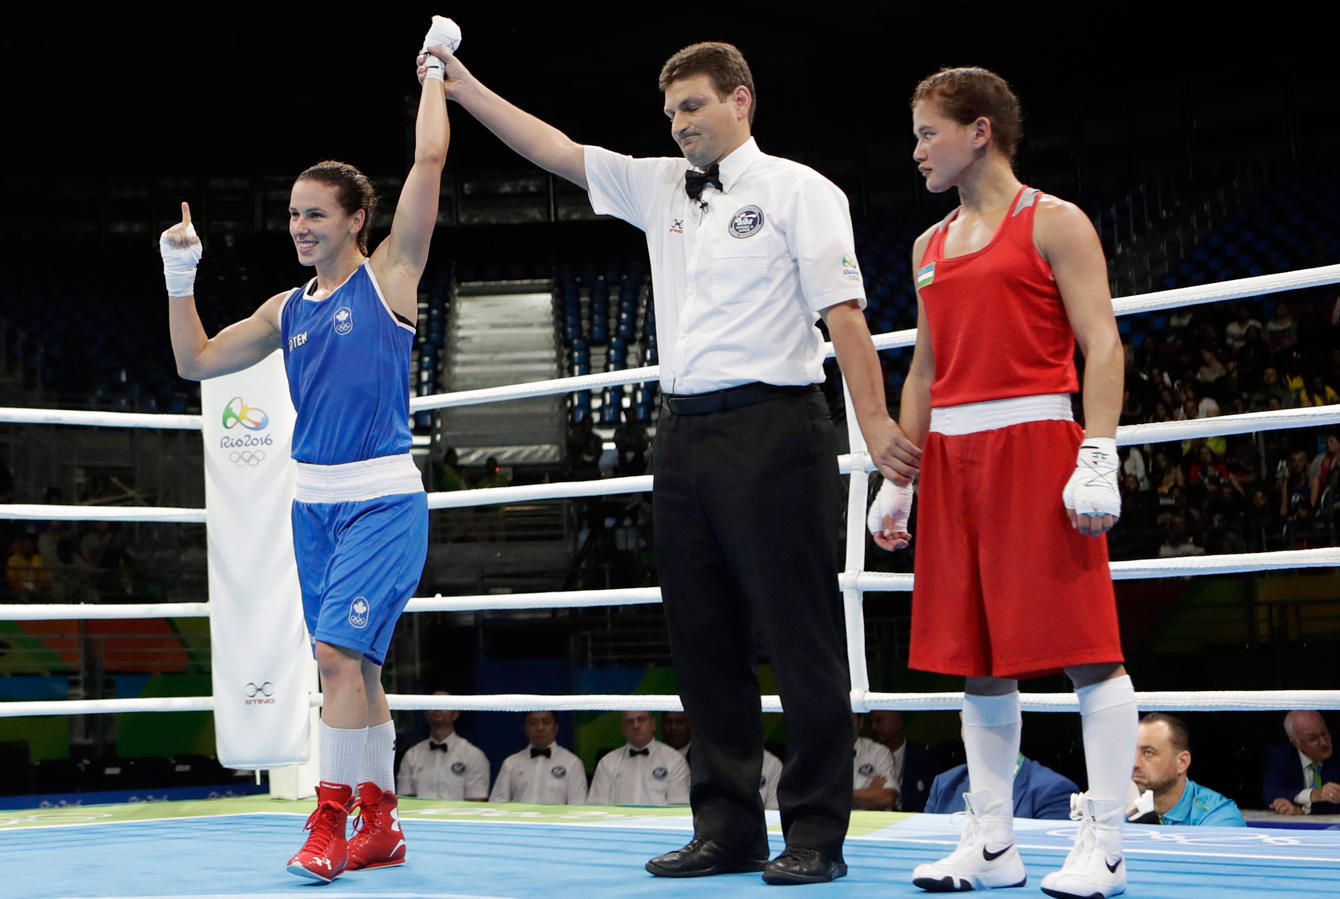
(745,512)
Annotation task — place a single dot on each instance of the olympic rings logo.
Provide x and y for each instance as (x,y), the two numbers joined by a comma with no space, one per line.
(247,457)
(237,412)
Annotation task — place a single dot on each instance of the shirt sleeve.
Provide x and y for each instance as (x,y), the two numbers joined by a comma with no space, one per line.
(1225,814)
(477,787)
(678,790)
(405,785)
(622,186)
(1304,798)
(601,781)
(577,784)
(502,787)
(820,240)
(884,767)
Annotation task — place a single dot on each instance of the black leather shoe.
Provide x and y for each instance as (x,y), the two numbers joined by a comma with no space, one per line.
(702,858)
(798,864)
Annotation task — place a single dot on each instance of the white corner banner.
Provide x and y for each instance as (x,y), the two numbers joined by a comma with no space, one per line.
(261,658)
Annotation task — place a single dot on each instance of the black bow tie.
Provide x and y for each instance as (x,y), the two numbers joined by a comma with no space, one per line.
(547,752)
(434,747)
(646,750)
(694,182)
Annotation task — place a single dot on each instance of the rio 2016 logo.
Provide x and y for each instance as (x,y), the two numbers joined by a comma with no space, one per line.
(237,412)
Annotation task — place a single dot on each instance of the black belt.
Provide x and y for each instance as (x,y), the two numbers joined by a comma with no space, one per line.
(732,397)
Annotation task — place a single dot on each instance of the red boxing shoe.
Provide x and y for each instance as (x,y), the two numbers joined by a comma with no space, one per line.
(378,841)
(326,852)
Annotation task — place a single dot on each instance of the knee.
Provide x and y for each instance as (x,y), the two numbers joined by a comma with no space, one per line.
(1087,675)
(991,686)
(336,663)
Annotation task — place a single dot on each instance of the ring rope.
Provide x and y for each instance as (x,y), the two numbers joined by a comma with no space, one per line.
(25,416)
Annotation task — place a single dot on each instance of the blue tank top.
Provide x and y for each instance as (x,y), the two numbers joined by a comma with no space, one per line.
(347,358)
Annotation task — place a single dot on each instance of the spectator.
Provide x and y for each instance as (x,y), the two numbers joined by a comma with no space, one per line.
(1207,471)
(25,572)
(1162,757)
(644,771)
(1134,464)
(677,733)
(913,764)
(1167,478)
(872,772)
(1236,331)
(1211,369)
(1039,792)
(631,442)
(1296,490)
(1282,330)
(584,450)
(446,765)
(448,472)
(1318,393)
(1321,465)
(1301,779)
(543,773)
(493,475)
(1179,542)
(93,547)
(1272,388)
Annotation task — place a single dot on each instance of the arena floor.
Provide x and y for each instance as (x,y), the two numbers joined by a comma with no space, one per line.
(238,847)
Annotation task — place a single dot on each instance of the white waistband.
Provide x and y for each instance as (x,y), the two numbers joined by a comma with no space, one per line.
(969,418)
(357,481)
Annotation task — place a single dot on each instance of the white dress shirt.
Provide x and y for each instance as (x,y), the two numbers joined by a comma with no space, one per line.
(661,777)
(1304,797)
(556,779)
(896,781)
(871,760)
(462,772)
(740,281)
(767,785)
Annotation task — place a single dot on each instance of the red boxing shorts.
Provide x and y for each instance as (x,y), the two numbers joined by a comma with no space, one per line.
(1005,587)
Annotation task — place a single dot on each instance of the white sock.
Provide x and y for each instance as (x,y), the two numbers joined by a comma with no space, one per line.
(1111,725)
(991,726)
(342,754)
(379,757)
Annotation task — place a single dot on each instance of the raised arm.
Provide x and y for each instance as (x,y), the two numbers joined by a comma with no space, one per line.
(400,259)
(538,141)
(238,346)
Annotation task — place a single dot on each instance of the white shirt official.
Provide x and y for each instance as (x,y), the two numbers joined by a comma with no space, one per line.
(767,785)
(558,779)
(661,777)
(741,276)
(461,772)
(871,760)
(1304,797)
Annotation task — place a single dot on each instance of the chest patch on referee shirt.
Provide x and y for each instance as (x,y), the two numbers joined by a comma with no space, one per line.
(660,774)
(867,769)
(746,222)
(559,772)
(458,768)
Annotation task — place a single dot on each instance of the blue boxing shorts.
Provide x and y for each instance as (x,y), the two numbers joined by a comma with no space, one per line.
(359,563)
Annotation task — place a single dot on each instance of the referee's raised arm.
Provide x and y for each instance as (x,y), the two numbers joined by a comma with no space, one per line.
(538,141)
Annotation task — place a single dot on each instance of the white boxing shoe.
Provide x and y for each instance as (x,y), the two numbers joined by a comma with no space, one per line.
(1096,867)
(986,857)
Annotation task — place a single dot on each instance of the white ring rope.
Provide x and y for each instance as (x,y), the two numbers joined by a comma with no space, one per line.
(1165,701)
(856,581)
(89,611)
(26,416)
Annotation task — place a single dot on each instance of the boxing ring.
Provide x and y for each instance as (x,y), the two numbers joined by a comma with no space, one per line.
(463,850)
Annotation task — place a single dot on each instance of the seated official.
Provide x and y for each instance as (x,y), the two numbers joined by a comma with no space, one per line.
(914,766)
(543,773)
(872,772)
(1302,778)
(1162,757)
(644,771)
(1039,792)
(677,733)
(446,765)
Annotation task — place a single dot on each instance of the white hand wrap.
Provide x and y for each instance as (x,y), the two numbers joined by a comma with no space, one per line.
(179,263)
(1092,489)
(891,500)
(443,33)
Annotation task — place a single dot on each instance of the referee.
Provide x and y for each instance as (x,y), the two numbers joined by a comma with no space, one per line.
(747,251)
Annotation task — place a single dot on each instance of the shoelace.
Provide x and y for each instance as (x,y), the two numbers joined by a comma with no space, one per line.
(1087,838)
(369,817)
(793,852)
(323,826)
(969,829)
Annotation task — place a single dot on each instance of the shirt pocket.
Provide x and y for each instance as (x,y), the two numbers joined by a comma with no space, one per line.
(740,272)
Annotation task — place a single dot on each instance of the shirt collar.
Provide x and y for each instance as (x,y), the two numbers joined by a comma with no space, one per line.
(1307,762)
(1182,807)
(735,163)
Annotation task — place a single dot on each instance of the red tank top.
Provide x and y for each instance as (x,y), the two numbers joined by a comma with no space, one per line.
(997,324)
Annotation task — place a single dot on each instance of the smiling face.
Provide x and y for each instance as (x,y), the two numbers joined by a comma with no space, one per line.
(704,124)
(321,230)
(945,150)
